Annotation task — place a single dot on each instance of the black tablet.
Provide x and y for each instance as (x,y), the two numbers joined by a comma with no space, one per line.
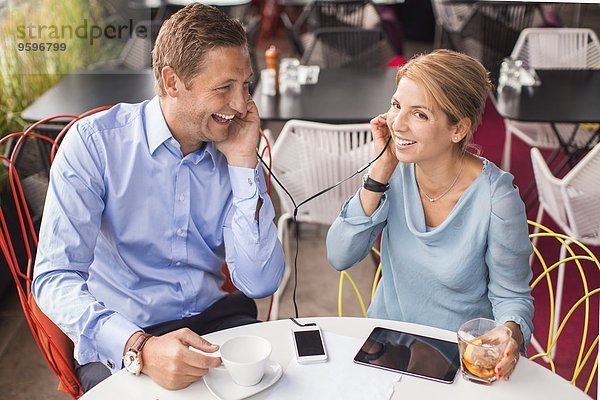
(410,354)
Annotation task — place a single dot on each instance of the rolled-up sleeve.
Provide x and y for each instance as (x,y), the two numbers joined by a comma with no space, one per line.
(507,258)
(353,233)
(253,252)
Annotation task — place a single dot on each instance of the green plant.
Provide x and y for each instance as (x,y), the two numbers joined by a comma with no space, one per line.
(25,75)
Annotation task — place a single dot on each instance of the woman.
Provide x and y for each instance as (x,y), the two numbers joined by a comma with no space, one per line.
(455,242)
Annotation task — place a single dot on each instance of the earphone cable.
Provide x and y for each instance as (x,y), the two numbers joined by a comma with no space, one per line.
(296,207)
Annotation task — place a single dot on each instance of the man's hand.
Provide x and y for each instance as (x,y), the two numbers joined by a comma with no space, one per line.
(240,146)
(170,363)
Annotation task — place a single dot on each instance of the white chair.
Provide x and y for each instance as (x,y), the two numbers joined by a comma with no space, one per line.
(573,202)
(307,158)
(451,19)
(552,48)
(137,53)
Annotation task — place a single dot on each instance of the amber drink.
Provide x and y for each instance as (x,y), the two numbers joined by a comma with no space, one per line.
(481,343)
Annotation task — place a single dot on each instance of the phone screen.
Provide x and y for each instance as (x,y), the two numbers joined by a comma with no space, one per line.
(410,354)
(309,343)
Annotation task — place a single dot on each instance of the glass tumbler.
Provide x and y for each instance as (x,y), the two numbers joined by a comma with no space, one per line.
(510,75)
(481,343)
(288,75)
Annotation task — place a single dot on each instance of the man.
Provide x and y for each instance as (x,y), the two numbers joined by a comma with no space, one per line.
(146,201)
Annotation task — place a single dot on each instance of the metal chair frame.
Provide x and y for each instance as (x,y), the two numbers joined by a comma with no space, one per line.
(323,14)
(586,262)
(348,47)
(54,345)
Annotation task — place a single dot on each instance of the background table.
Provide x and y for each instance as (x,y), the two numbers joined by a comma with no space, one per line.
(565,96)
(80,92)
(529,381)
(340,96)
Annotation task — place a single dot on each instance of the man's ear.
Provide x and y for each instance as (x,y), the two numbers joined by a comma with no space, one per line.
(170,81)
(461,130)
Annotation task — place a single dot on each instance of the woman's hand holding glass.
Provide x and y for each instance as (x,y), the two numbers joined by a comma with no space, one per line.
(510,358)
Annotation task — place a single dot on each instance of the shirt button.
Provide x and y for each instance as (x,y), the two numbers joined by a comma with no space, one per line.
(178,263)
(182,197)
(180,232)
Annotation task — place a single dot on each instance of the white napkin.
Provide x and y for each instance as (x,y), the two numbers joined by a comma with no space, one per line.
(338,378)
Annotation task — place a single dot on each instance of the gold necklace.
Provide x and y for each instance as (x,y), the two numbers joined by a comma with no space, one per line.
(434,199)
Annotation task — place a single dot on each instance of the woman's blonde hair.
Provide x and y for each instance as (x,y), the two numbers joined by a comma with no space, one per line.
(458,83)
(186,37)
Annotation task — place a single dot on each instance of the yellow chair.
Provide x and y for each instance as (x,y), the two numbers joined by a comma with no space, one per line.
(578,257)
(344,275)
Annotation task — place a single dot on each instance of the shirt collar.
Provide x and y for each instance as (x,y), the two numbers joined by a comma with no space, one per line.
(208,149)
(158,132)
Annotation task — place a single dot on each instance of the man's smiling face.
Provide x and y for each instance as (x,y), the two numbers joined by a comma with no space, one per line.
(216,96)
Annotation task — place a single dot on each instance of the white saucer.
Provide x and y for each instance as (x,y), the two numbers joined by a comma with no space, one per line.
(219,382)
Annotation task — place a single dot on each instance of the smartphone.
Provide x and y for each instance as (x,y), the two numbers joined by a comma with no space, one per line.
(309,344)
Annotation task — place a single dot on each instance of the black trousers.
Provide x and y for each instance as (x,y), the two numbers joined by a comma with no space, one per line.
(235,309)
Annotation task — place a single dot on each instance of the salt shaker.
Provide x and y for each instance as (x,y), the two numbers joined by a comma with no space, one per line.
(272,60)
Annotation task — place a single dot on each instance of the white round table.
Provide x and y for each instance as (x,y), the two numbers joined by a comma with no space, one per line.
(529,380)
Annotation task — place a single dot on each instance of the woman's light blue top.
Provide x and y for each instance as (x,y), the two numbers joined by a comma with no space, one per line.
(475,264)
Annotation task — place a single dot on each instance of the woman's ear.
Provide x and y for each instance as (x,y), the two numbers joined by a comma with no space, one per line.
(170,81)
(461,130)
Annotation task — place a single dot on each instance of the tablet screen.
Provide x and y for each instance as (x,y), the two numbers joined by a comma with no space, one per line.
(410,354)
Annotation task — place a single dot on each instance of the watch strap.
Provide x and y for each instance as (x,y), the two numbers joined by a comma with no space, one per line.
(372,185)
(136,349)
(139,343)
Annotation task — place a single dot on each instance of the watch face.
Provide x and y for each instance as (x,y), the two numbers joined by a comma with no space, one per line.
(131,362)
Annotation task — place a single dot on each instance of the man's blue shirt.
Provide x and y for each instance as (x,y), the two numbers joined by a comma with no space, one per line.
(135,234)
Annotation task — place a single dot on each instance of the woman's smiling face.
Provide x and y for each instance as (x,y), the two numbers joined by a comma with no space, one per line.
(420,128)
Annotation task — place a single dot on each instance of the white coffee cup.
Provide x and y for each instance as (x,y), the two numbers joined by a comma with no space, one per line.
(245,358)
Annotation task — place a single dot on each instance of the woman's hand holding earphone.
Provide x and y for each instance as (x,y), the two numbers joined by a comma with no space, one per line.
(384,167)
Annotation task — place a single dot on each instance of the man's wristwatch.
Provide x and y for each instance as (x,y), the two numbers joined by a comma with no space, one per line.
(132,360)
(374,186)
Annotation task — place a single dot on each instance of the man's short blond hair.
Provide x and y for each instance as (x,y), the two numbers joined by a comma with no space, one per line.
(186,37)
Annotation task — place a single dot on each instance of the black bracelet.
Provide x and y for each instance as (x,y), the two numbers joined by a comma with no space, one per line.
(373,186)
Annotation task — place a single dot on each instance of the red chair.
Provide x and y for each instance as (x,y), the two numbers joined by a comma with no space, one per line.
(19,234)
(19,239)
